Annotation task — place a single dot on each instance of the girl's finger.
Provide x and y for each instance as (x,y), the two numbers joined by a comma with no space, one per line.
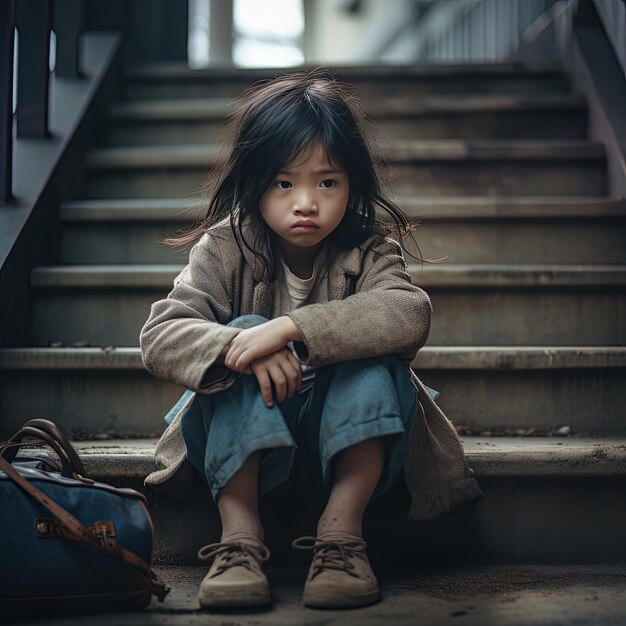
(265,385)
(291,375)
(243,360)
(296,364)
(280,381)
(232,364)
(231,357)
(248,356)
(240,360)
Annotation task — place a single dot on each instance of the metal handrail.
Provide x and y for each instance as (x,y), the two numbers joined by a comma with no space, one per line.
(456,30)
(34,21)
(477,30)
(7,29)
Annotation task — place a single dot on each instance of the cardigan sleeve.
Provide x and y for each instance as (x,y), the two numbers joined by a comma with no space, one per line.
(183,336)
(386,315)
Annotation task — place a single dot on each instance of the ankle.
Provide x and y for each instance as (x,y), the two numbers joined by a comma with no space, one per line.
(337,530)
(332,526)
(337,534)
(242,535)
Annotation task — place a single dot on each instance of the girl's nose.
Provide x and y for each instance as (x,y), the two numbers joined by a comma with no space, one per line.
(305,203)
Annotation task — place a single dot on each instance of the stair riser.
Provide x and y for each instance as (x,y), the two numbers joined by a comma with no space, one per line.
(564,520)
(552,124)
(556,241)
(587,400)
(435,178)
(166,89)
(85,399)
(463,316)
(483,242)
(120,243)
(537,318)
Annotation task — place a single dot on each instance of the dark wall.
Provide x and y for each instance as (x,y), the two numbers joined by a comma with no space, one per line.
(154,30)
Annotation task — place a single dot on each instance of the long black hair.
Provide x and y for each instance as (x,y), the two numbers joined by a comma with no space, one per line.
(273,123)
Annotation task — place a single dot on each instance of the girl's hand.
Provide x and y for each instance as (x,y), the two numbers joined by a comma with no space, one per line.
(283,370)
(259,341)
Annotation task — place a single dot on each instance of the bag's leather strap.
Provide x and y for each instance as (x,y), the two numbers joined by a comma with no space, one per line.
(128,560)
(9,450)
(58,435)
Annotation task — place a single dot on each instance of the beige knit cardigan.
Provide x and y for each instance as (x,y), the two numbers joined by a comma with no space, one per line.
(373,309)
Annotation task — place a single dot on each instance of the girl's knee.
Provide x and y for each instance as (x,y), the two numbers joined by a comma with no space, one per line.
(386,362)
(376,378)
(247,321)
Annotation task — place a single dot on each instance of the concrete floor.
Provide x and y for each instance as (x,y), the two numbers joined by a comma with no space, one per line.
(528,595)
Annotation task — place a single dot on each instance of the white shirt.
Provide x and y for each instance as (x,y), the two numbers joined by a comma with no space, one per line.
(293,292)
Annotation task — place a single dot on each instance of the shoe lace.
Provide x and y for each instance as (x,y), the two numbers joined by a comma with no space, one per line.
(234,553)
(331,554)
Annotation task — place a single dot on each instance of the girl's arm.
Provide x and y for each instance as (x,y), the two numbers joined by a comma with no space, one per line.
(386,315)
(185,333)
(259,341)
(280,370)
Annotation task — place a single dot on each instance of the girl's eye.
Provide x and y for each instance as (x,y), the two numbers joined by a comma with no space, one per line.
(283,184)
(328,183)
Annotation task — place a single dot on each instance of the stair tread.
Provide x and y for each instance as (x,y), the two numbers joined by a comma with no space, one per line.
(185,109)
(481,207)
(180,71)
(495,594)
(429,357)
(441,275)
(204,155)
(430,207)
(489,456)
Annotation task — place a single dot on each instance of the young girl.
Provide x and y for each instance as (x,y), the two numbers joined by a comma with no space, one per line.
(294,326)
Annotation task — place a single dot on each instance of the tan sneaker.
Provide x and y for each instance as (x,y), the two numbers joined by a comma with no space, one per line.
(340,575)
(235,577)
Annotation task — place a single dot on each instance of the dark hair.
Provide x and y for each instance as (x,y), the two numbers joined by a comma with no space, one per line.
(273,123)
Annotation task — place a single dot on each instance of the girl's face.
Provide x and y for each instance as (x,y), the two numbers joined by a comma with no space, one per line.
(306,201)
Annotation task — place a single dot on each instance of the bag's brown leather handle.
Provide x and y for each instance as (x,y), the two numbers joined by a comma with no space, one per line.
(9,450)
(128,560)
(55,432)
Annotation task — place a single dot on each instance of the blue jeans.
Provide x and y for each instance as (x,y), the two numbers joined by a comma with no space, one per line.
(348,403)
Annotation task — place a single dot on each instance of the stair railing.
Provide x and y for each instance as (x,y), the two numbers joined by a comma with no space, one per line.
(7,30)
(478,30)
(33,20)
(461,31)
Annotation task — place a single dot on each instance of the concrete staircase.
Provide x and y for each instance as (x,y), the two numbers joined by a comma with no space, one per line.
(529,326)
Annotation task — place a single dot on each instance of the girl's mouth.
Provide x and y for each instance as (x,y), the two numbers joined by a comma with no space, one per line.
(304,226)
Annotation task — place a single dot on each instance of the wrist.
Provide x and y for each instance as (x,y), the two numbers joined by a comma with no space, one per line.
(288,329)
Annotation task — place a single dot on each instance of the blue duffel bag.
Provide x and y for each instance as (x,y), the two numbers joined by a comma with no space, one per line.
(69,543)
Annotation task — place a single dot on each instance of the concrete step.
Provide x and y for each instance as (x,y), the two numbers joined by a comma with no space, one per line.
(482,387)
(501,305)
(420,167)
(521,230)
(527,116)
(546,230)
(178,81)
(550,499)
(498,595)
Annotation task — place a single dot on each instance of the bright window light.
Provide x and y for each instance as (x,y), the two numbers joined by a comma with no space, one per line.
(268,33)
